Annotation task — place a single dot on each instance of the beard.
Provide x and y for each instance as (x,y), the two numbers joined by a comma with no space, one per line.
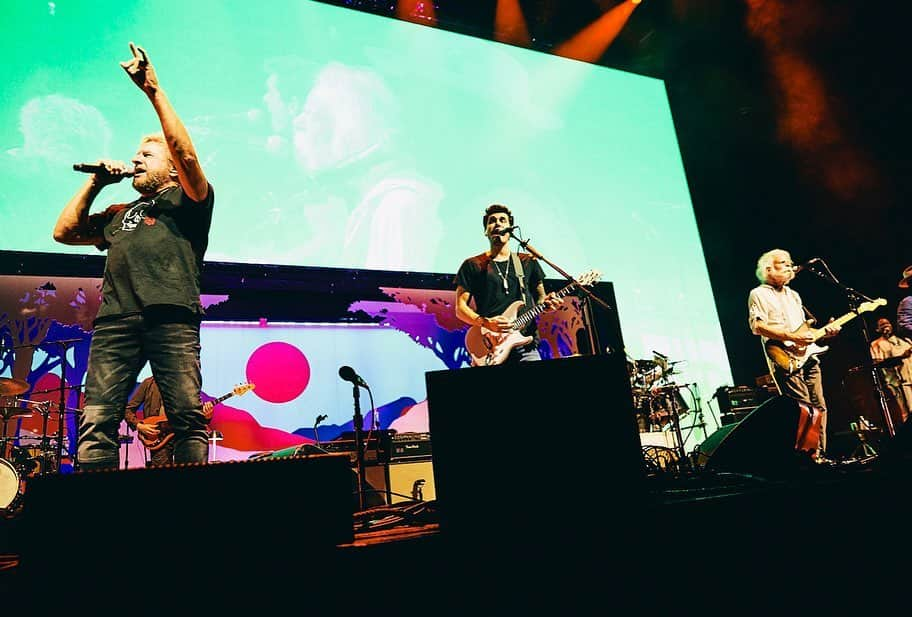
(151,181)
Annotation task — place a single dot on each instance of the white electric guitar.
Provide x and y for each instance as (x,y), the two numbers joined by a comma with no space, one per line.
(487,347)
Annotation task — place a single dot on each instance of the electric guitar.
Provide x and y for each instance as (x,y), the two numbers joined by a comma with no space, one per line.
(487,347)
(165,434)
(791,356)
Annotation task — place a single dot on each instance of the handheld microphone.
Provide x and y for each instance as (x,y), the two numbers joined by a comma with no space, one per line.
(348,374)
(95,168)
(806,264)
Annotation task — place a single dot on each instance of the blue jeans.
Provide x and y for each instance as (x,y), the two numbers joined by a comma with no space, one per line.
(120,348)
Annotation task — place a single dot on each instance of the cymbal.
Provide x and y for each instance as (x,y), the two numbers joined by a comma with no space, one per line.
(15,412)
(12,387)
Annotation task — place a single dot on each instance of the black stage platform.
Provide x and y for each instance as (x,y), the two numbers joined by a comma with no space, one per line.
(751,523)
(822,535)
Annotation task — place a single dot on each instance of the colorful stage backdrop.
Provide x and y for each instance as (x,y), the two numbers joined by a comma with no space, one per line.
(294,367)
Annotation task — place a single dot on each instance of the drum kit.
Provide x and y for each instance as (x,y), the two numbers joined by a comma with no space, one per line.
(659,407)
(22,457)
(656,399)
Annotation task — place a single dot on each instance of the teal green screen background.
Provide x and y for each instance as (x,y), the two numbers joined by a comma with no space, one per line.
(342,139)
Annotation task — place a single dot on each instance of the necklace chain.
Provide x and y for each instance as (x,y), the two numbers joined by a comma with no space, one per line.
(503,275)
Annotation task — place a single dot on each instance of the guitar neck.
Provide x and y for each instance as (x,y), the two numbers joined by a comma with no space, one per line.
(224,397)
(529,314)
(821,332)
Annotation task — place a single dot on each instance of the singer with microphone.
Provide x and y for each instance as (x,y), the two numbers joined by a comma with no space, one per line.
(496,279)
(777,315)
(150,309)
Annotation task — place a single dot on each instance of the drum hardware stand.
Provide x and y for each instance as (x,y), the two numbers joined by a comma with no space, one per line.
(698,414)
(860,428)
(62,407)
(125,439)
(676,424)
(45,411)
(671,388)
(61,419)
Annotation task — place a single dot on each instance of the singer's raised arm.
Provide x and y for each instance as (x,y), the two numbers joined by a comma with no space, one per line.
(183,154)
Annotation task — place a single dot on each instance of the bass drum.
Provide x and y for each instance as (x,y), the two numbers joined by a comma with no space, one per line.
(662,407)
(10,485)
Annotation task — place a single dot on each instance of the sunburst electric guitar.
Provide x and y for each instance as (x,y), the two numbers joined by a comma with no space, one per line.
(791,356)
(165,434)
(487,347)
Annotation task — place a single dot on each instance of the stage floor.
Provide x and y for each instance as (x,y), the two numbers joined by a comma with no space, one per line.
(822,532)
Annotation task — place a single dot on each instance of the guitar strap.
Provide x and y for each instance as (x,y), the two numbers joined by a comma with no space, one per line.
(809,314)
(517,266)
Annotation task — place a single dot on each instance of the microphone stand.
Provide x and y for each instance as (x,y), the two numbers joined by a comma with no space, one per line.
(585,306)
(359,458)
(854,299)
(61,411)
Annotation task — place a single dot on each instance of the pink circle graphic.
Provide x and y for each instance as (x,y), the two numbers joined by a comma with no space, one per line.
(279,372)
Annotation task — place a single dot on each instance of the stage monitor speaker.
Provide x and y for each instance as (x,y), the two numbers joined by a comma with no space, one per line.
(534,449)
(210,522)
(709,445)
(775,439)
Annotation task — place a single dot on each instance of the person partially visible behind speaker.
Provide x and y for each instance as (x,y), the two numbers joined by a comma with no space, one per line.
(777,315)
(150,427)
(904,308)
(893,354)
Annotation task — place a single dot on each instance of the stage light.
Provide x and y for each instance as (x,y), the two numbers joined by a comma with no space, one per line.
(510,24)
(417,11)
(591,42)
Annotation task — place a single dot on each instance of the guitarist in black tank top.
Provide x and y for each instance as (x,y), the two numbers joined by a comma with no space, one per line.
(491,279)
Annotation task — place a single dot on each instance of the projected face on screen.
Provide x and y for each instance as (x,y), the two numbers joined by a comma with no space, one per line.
(347,116)
(337,138)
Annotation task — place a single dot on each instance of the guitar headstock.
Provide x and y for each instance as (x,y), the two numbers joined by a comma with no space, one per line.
(864,307)
(243,388)
(588,278)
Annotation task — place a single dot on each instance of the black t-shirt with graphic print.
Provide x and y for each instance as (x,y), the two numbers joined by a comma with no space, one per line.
(155,254)
(481,277)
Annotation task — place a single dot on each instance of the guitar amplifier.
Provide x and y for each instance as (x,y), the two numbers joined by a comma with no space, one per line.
(735,402)
(406,446)
(376,445)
